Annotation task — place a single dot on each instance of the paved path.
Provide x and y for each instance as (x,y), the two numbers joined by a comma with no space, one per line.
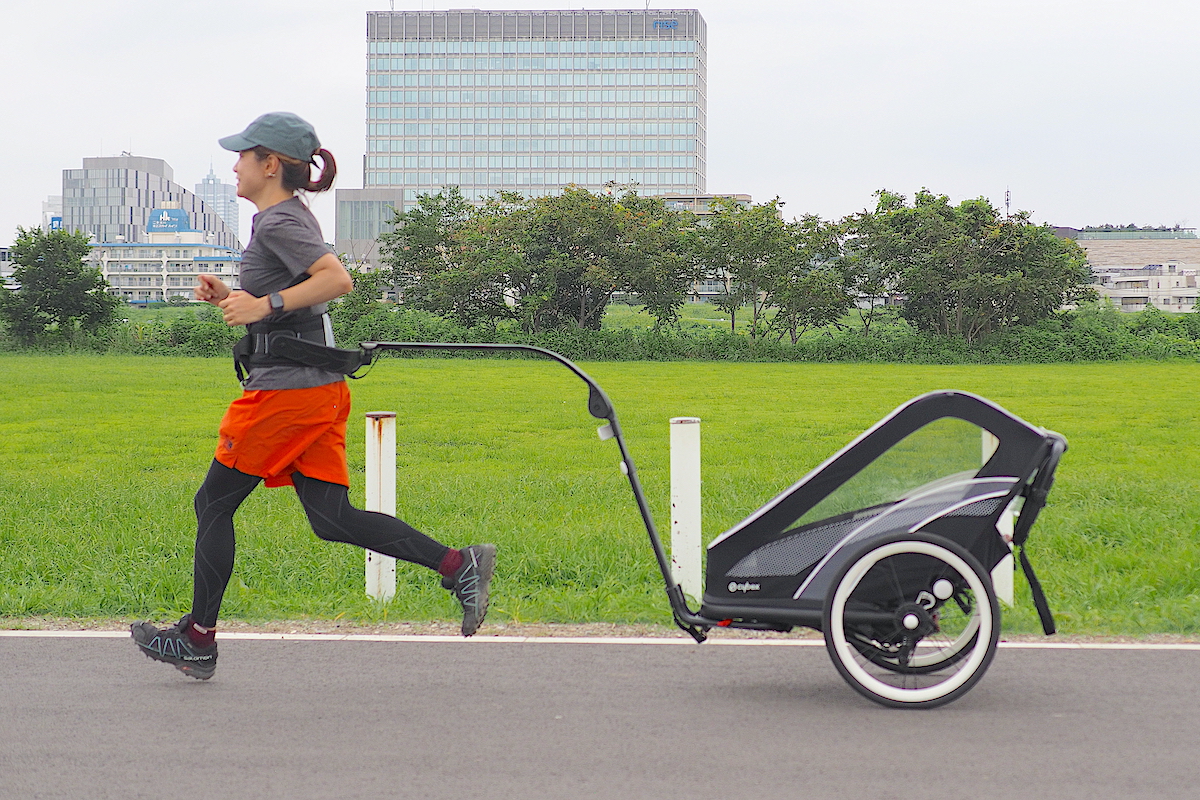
(90,718)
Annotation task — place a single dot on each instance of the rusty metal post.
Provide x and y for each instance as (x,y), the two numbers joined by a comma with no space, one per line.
(381,496)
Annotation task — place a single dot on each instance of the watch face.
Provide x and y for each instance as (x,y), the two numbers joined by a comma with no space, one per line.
(276,301)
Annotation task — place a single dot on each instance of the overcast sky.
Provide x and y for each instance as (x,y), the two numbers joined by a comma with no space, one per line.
(1083,109)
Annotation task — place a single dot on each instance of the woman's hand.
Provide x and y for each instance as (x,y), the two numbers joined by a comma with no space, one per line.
(243,308)
(211,289)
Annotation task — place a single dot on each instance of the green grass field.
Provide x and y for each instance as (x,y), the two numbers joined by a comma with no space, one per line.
(101,456)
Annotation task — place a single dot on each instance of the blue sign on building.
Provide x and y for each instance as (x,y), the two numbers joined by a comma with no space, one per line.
(168,220)
(56,223)
(666,23)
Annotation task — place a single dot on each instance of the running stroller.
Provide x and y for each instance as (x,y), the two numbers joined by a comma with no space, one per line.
(887,547)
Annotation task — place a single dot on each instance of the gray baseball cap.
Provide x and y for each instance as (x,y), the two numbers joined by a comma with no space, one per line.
(279,131)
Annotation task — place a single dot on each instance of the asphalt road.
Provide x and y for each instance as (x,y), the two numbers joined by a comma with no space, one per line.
(91,718)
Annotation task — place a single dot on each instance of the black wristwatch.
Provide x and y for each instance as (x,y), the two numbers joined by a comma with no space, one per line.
(276,300)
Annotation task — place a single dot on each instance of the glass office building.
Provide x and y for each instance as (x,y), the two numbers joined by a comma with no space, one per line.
(528,101)
(221,197)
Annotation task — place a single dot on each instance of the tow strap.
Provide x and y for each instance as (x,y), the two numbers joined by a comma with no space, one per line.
(292,343)
(1035,500)
(312,354)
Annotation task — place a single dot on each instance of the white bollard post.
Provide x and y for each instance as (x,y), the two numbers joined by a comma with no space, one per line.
(1002,575)
(686,550)
(381,496)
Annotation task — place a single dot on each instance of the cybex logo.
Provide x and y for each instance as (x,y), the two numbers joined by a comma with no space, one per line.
(669,24)
(734,586)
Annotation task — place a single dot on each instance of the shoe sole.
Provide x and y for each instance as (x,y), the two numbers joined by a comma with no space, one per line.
(191,670)
(200,673)
(487,568)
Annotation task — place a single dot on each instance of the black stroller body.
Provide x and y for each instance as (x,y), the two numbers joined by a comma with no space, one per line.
(887,547)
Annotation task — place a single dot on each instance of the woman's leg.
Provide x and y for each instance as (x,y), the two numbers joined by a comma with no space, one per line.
(335,520)
(219,496)
(467,572)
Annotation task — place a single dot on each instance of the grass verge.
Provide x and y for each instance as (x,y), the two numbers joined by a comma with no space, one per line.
(101,456)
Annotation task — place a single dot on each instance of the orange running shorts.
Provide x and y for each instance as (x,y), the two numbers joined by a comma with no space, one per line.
(272,433)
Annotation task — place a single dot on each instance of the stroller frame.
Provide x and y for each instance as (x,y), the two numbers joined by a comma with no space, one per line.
(901,589)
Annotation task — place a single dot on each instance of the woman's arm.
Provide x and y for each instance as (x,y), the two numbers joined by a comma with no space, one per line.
(327,280)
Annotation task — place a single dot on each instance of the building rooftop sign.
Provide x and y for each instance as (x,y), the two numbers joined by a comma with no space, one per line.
(168,220)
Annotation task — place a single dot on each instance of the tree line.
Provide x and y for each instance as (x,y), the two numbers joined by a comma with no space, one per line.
(556,262)
(552,262)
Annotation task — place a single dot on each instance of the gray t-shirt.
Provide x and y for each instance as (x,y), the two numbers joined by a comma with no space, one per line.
(285,240)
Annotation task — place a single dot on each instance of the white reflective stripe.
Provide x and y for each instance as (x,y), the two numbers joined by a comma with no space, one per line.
(960,504)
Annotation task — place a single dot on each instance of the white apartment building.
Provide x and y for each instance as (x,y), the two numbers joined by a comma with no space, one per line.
(167,263)
(1169,287)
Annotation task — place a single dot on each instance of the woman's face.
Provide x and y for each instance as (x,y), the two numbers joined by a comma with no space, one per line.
(251,174)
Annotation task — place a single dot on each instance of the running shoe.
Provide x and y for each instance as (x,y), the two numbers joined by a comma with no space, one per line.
(470,584)
(172,646)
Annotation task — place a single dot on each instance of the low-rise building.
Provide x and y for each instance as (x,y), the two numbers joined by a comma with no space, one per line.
(166,265)
(715,281)
(1136,267)
(1168,287)
(6,266)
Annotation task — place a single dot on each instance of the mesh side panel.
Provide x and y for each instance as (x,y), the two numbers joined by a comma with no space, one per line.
(980,508)
(793,554)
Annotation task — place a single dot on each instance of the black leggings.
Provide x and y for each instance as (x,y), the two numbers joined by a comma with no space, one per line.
(329,512)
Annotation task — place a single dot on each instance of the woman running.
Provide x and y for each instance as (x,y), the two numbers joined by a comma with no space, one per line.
(289,426)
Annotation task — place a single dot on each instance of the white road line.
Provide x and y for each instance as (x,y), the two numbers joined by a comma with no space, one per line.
(484,639)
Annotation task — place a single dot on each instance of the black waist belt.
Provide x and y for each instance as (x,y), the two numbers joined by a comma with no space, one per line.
(292,343)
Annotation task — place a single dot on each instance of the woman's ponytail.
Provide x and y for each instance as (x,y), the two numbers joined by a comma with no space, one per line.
(297,175)
(328,172)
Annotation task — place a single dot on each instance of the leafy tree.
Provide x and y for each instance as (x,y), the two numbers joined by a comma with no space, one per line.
(812,299)
(730,301)
(651,259)
(363,299)
(423,256)
(59,294)
(965,270)
(751,246)
(808,292)
(547,262)
(871,257)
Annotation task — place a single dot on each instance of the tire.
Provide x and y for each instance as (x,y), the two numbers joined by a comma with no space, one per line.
(953,621)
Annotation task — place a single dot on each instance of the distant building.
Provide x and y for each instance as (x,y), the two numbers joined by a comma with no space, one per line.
(52,213)
(362,214)
(165,264)
(222,198)
(1169,287)
(700,204)
(112,198)
(527,101)
(6,265)
(715,281)
(1135,267)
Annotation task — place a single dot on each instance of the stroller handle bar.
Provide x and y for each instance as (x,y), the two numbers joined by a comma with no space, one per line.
(600,407)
